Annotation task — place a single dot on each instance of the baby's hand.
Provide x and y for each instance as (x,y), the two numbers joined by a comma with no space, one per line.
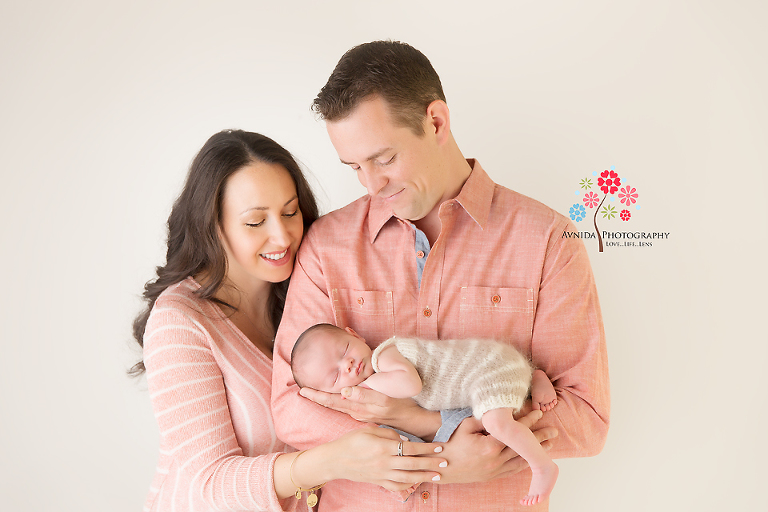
(347,392)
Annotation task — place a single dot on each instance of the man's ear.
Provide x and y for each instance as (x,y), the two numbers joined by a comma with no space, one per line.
(439,120)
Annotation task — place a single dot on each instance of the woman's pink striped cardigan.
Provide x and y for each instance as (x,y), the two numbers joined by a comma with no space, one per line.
(210,389)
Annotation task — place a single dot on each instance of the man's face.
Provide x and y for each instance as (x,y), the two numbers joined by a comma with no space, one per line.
(391,161)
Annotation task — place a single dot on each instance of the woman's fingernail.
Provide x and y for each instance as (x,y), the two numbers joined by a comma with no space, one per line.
(402,437)
(436,478)
(347,392)
(443,464)
(438,449)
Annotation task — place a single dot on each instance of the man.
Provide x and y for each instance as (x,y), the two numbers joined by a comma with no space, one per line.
(436,250)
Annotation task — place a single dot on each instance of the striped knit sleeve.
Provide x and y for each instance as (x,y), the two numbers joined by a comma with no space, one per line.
(189,400)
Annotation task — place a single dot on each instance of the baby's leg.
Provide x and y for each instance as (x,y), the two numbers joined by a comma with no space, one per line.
(501,424)
(543,393)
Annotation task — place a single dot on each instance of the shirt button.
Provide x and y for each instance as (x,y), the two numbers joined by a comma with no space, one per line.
(420,254)
(425,495)
(427,312)
(496,299)
(360,300)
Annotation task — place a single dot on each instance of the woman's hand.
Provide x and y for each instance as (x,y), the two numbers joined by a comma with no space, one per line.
(370,455)
(475,456)
(365,404)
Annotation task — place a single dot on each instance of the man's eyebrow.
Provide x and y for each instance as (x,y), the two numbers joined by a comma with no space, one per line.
(261,208)
(372,157)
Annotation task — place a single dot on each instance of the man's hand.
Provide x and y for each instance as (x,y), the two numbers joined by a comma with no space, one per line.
(367,405)
(475,456)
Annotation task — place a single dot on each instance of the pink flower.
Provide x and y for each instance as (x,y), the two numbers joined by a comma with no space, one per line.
(609,182)
(628,195)
(591,199)
(625,215)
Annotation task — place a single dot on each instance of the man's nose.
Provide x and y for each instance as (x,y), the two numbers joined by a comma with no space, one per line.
(372,180)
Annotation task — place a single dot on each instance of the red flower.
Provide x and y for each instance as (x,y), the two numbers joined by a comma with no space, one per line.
(591,199)
(609,182)
(628,195)
(625,215)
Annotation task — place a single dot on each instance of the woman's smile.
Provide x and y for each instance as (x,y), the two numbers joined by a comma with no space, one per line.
(277,258)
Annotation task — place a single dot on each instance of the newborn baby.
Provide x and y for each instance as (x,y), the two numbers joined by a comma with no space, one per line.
(491,377)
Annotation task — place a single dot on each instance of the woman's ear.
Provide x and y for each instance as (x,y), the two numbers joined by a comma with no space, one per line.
(222,238)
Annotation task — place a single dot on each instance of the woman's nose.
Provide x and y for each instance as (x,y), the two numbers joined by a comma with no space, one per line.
(279,234)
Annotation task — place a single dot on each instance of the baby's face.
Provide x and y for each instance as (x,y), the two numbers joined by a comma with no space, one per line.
(338,359)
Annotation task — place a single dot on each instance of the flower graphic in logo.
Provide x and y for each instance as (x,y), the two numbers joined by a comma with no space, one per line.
(608,212)
(591,199)
(609,182)
(628,195)
(578,212)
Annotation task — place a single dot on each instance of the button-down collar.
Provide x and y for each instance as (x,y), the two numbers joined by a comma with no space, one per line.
(475,197)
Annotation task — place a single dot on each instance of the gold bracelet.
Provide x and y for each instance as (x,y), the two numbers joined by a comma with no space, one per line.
(312,498)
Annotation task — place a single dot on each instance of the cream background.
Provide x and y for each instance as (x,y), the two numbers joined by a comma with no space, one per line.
(103,105)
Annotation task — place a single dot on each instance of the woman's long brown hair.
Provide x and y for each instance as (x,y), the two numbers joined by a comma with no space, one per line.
(194,245)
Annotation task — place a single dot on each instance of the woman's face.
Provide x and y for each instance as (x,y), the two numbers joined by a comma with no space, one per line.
(261,225)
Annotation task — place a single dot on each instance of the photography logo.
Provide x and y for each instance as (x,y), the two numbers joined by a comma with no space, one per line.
(599,193)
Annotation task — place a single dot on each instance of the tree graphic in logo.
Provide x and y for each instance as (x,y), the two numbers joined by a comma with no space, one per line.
(609,183)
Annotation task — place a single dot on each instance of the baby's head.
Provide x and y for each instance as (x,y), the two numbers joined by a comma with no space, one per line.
(329,358)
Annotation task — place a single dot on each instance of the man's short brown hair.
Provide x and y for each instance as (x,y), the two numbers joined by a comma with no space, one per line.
(397,72)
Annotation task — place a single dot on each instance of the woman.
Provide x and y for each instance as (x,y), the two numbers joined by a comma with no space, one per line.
(208,333)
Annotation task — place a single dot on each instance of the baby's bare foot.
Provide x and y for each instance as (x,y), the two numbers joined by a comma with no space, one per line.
(548,407)
(543,394)
(542,483)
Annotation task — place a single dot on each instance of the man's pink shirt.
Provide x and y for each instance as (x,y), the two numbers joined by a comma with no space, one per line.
(500,269)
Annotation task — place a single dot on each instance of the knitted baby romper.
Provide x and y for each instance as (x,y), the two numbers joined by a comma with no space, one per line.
(483,374)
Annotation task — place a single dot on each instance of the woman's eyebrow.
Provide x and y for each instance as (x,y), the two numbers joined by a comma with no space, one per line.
(262,208)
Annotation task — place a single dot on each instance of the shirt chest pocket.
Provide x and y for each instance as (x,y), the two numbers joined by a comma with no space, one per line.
(503,314)
(369,312)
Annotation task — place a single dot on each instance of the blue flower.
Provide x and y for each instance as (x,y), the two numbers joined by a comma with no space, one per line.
(578,212)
